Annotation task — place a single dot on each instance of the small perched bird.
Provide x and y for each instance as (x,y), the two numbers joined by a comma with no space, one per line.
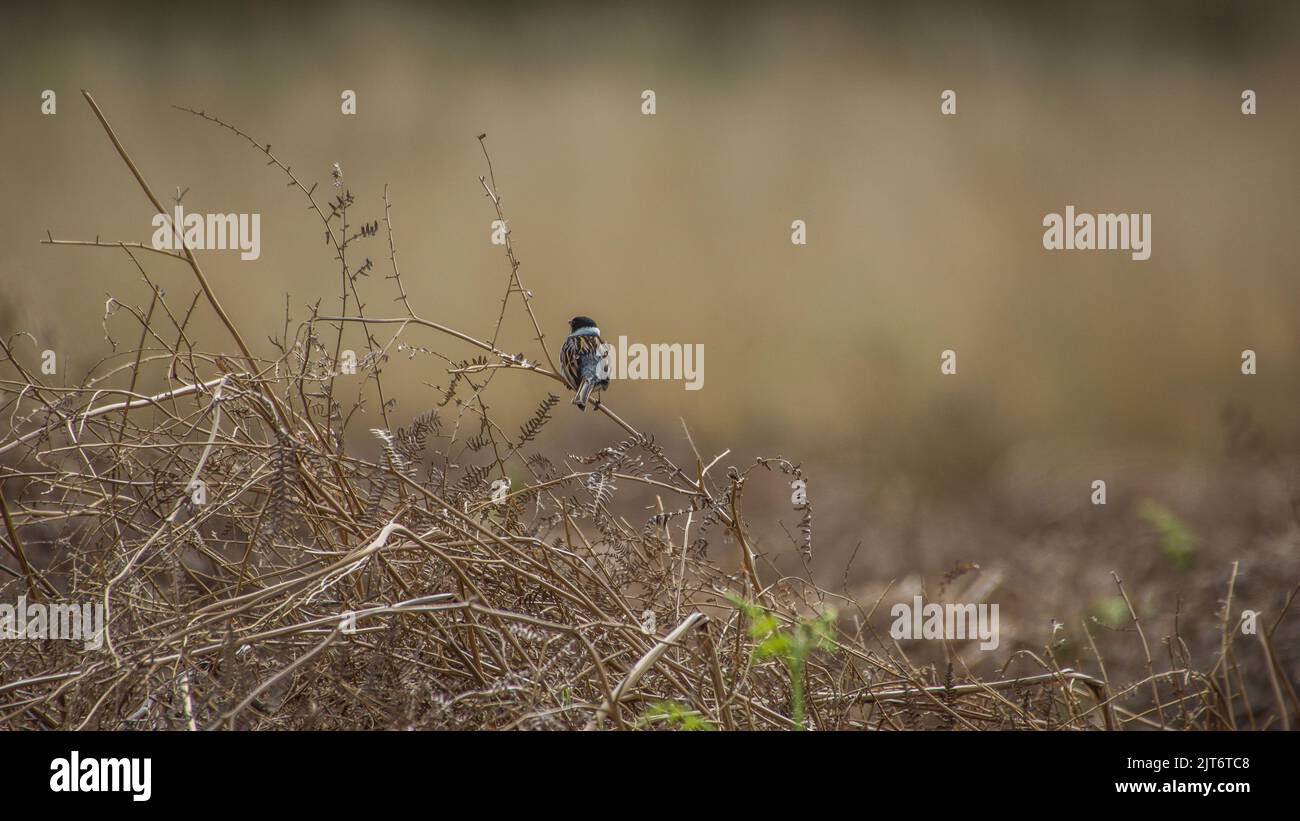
(581,360)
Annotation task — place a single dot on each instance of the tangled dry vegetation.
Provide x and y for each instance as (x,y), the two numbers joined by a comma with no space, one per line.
(254,574)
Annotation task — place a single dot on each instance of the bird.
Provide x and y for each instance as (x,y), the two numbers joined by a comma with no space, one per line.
(582,360)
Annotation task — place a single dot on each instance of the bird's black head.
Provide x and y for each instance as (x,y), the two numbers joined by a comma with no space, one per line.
(581,322)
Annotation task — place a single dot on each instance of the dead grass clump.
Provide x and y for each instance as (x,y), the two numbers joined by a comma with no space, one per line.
(255,574)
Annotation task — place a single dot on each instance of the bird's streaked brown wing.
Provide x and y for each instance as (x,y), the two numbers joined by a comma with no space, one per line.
(574,350)
(571,361)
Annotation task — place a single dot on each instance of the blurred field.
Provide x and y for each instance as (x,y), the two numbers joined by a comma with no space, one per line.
(924,235)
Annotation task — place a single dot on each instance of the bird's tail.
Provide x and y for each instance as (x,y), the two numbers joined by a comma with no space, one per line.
(584,391)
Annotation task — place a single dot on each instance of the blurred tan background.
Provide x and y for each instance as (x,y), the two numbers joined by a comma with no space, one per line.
(924,232)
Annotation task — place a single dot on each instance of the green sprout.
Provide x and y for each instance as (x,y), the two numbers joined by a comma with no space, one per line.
(674,714)
(792,646)
(1177,542)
